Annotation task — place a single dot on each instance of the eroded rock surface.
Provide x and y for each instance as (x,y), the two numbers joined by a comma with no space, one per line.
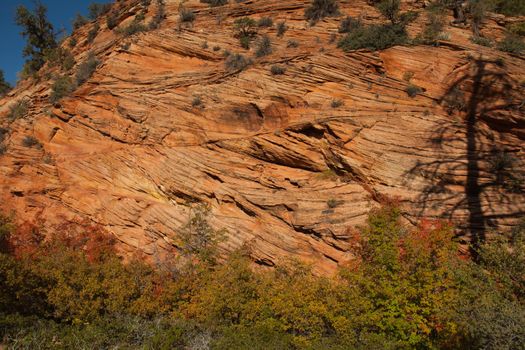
(284,171)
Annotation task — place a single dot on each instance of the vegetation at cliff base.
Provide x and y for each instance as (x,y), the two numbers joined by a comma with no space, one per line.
(406,289)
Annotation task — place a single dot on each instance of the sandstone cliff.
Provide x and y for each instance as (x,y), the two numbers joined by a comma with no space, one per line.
(285,170)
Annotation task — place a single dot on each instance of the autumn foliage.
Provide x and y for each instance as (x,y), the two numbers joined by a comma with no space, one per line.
(408,288)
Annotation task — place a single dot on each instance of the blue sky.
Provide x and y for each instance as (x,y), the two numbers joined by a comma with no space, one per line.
(59,12)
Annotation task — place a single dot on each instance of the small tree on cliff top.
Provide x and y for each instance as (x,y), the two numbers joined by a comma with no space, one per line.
(39,33)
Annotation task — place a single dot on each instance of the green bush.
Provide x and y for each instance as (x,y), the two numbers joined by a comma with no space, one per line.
(69,62)
(140,17)
(18,110)
(265,22)
(86,69)
(374,37)
(186,15)
(245,27)
(504,255)
(61,57)
(332,203)
(133,28)
(73,42)
(245,42)
(503,168)
(320,9)
(405,288)
(112,20)
(136,26)
(196,102)
(510,7)
(408,17)
(433,29)
(111,332)
(491,311)
(512,44)
(517,28)
(31,141)
(277,70)
(62,87)
(215,3)
(236,62)
(281,28)
(455,100)
(92,34)
(292,44)
(336,103)
(264,47)
(413,90)
(348,24)
(479,40)
(389,9)
(160,15)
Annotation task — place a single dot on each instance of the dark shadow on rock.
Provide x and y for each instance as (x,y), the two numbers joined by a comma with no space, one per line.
(479,172)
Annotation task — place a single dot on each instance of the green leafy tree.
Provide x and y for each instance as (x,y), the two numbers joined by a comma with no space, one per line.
(197,238)
(403,281)
(39,33)
(491,308)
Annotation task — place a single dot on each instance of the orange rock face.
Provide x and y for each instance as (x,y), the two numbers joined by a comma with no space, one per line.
(285,170)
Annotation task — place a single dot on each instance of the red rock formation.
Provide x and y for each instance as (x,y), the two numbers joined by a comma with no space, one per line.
(284,172)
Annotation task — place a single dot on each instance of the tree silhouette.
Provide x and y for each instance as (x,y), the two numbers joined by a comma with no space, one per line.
(478,178)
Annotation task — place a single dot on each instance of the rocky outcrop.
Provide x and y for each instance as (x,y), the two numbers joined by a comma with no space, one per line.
(285,170)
